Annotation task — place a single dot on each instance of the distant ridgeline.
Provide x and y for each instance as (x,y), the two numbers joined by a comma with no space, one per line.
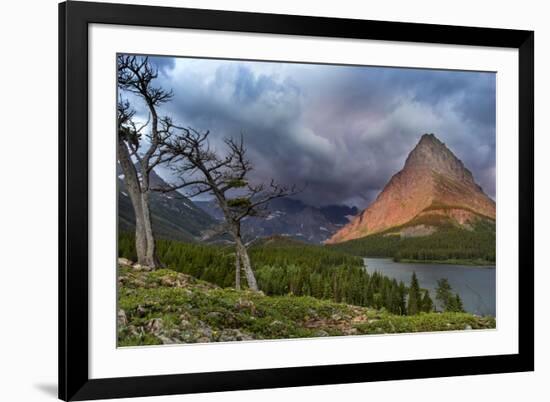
(174,216)
(284,266)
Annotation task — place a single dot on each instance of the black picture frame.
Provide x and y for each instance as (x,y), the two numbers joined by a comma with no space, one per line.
(74,18)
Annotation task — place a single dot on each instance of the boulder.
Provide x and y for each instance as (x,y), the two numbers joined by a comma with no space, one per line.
(154,326)
(121,317)
(125,262)
(230,335)
(141,311)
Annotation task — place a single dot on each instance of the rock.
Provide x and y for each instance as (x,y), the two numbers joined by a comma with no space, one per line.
(125,262)
(468,328)
(168,281)
(121,317)
(154,326)
(141,311)
(185,316)
(139,283)
(245,305)
(187,336)
(203,339)
(321,333)
(277,325)
(312,313)
(167,341)
(139,267)
(229,335)
(352,331)
(336,317)
(174,332)
(205,332)
(133,330)
(214,316)
(359,319)
(242,336)
(184,323)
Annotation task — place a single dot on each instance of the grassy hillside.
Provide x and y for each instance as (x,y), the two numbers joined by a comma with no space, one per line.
(450,243)
(165,306)
(283,267)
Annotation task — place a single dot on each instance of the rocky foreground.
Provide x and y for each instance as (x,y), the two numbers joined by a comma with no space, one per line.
(167,307)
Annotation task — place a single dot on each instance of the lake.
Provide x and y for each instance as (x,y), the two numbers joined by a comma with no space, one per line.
(474,284)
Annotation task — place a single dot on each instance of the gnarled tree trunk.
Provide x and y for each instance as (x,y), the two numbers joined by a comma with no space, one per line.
(242,254)
(237,272)
(151,257)
(134,191)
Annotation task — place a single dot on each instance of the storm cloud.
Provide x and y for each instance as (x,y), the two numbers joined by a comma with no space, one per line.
(340,131)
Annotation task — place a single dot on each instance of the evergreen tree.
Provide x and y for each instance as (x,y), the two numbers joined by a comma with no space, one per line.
(458,304)
(443,293)
(303,270)
(427,303)
(414,303)
(455,304)
(448,300)
(402,298)
(370,293)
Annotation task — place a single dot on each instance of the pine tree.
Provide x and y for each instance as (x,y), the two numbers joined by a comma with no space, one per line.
(455,304)
(370,293)
(427,303)
(443,294)
(414,303)
(402,299)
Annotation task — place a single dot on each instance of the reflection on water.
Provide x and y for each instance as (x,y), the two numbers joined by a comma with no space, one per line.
(475,285)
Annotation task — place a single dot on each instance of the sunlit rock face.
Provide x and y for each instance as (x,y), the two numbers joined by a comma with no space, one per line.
(433,181)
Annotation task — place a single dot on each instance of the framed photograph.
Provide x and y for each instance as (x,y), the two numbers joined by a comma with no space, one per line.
(257,201)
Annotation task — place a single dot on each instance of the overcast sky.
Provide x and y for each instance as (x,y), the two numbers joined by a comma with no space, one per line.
(341,130)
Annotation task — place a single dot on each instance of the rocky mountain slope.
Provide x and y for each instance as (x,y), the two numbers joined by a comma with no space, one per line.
(434,185)
(175,216)
(292,218)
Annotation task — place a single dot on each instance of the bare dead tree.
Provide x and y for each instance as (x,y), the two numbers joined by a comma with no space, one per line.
(142,144)
(225,176)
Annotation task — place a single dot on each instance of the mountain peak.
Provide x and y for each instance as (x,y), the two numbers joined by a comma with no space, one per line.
(433,154)
(429,138)
(432,178)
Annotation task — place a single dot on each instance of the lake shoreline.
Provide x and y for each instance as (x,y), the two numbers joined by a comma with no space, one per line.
(472,263)
(475,284)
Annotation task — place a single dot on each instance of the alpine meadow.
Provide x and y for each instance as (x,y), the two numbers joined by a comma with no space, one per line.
(275,200)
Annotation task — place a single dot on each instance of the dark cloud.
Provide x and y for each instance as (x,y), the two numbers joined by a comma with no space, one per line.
(341,130)
(163,64)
